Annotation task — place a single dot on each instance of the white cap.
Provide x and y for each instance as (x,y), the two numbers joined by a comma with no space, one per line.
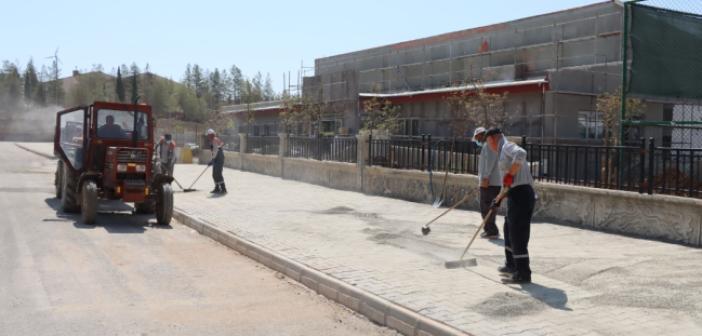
(210,131)
(479,130)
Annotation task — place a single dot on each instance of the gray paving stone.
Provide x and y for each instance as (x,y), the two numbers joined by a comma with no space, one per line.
(584,281)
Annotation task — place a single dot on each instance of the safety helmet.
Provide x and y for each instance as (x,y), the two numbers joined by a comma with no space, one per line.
(210,131)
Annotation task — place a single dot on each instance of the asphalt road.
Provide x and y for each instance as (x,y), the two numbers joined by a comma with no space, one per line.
(127,276)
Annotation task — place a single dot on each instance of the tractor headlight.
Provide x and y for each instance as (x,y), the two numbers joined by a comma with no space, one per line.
(121,167)
(140,168)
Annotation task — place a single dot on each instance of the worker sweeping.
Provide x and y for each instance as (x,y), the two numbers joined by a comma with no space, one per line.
(490,183)
(520,206)
(165,153)
(217,162)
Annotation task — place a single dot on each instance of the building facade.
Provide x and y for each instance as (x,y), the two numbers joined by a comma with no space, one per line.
(552,67)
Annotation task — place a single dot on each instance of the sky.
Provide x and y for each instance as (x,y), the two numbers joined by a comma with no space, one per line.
(269,36)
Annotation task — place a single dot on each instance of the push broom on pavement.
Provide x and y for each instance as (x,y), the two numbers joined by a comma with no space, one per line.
(462,262)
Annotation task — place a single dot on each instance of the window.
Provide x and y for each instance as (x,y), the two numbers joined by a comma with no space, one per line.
(329,126)
(590,125)
(71,137)
(120,125)
(409,127)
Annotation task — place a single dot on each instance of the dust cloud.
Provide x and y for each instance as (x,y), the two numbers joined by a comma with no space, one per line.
(30,123)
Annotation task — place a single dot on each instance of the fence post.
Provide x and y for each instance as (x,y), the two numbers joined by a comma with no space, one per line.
(363,140)
(284,140)
(430,159)
(243,143)
(282,151)
(651,160)
(642,164)
(693,174)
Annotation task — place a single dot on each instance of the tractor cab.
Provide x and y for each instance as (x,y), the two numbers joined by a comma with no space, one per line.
(105,152)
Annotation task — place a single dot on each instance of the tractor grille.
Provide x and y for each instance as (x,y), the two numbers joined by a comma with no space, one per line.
(131,155)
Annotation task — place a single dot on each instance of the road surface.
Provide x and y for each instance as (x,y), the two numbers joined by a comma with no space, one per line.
(129,277)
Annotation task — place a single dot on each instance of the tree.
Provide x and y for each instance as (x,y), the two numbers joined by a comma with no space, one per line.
(217,89)
(291,113)
(31,82)
(256,90)
(474,106)
(119,86)
(380,114)
(55,86)
(197,80)
(193,107)
(610,105)
(91,86)
(135,82)
(236,82)
(268,92)
(10,86)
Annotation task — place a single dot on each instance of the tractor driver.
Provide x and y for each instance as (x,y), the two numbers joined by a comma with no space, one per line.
(111,130)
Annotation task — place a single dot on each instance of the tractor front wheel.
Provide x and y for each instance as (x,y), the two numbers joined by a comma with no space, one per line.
(164,204)
(89,202)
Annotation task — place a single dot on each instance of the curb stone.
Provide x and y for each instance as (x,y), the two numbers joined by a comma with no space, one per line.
(375,308)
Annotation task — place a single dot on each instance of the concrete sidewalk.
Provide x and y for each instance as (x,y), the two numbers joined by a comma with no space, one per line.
(585,283)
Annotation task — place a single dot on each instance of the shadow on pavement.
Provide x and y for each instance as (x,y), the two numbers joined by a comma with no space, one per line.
(554,297)
(118,219)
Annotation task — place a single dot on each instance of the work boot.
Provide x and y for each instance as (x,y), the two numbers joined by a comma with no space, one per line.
(490,236)
(223,190)
(506,270)
(517,279)
(216,190)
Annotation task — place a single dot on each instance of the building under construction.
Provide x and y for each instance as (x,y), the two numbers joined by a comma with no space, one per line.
(552,67)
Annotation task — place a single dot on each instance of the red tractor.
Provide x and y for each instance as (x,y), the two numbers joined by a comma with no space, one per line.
(105,152)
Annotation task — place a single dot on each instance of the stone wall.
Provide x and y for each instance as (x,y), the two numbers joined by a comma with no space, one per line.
(667,218)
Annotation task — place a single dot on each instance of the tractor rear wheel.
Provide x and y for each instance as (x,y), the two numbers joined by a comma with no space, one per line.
(164,204)
(69,190)
(57,179)
(89,202)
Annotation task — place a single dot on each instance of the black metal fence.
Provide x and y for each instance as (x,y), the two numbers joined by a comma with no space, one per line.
(341,149)
(644,168)
(423,153)
(268,145)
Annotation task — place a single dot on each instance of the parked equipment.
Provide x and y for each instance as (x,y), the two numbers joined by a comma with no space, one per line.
(105,152)
(461,262)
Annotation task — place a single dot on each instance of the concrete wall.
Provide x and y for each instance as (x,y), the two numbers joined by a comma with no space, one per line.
(336,175)
(667,218)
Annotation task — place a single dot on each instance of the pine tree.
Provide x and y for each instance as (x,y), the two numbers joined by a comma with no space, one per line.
(135,80)
(119,86)
(216,89)
(236,80)
(198,81)
(30,82)
(268,92)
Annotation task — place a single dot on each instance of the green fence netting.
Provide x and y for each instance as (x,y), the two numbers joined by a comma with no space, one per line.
(666,47)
